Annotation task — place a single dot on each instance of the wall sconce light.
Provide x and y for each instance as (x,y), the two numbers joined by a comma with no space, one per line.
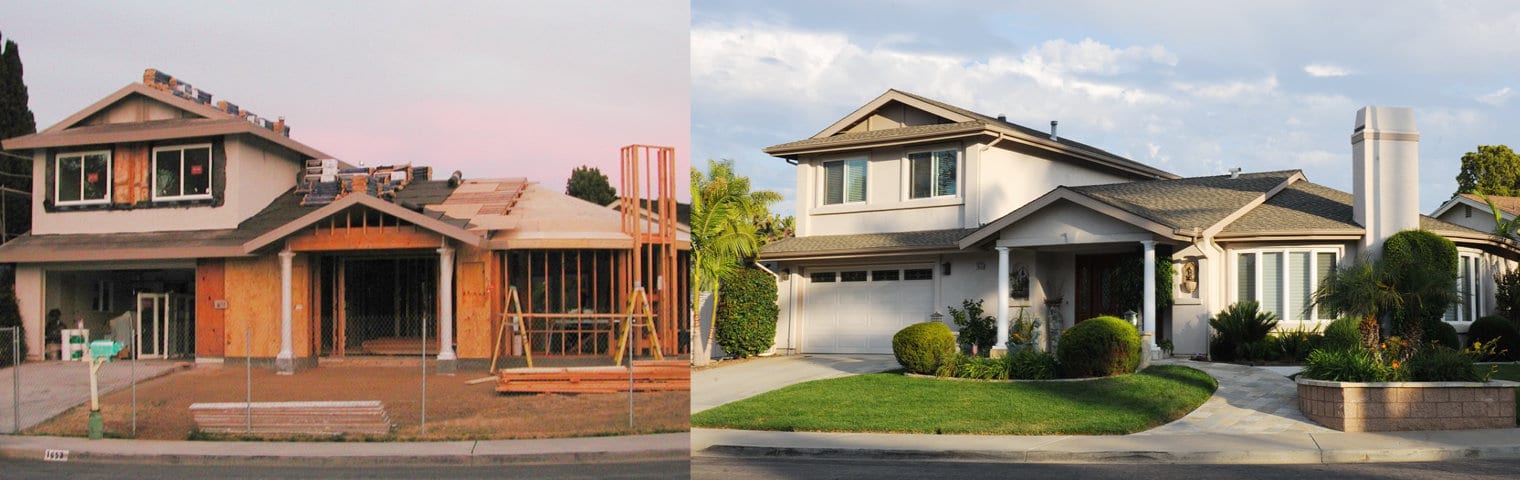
(981,265)
(945,268)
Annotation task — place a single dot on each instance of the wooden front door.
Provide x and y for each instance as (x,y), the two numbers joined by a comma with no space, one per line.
(1095,281)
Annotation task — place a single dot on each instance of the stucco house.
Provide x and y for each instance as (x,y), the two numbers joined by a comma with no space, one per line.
(908,205)
(1471,211)
(217,236)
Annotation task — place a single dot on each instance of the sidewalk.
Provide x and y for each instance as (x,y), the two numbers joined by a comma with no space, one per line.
(638,448)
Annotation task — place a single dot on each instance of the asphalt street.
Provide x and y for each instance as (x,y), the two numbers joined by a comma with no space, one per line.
(29,469)
(746,468)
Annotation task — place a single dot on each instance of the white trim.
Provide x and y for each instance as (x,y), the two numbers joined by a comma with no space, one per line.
(844,199)
(210,173)
(1232,266)
(1475,285)
(58,170)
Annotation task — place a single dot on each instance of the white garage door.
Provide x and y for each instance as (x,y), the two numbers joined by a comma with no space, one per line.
(857,310)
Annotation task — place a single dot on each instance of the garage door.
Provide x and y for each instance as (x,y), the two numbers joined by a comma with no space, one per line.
(858,310)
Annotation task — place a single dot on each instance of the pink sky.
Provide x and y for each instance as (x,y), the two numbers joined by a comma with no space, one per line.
(494,89)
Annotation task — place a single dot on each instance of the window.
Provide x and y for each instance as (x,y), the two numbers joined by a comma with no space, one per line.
(844,181)
(82,178)
(104,291)
(1283,281)
(932,174)
(884,275)
(182,172)
(1469,304)
(918,274)
(859,276)
(826,277)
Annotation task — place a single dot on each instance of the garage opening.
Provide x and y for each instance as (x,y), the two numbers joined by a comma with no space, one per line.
(157,304)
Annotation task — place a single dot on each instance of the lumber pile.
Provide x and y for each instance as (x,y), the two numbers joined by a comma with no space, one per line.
(313,418)
(399,346)
(660,375)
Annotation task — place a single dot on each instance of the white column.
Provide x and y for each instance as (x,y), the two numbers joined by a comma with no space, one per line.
(446,308)
(285,362)
(1002,301)
(1148,333)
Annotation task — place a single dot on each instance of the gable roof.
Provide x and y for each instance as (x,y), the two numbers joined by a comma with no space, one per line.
(958,122)
(1509,207)
(1309,209)
(448,229)
(209,121)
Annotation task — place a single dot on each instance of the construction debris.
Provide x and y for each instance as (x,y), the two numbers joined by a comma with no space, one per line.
(660,375)
(310,418)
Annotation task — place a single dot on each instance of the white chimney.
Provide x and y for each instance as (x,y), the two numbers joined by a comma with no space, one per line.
(1385,173)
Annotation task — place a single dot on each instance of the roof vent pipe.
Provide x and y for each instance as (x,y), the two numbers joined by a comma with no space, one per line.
(456,179)
(1053,124)
(1235,172)
(1002,118)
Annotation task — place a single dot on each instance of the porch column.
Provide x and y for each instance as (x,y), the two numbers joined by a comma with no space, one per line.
(1148,302)
(1001,347)
(446,359)
(285,362)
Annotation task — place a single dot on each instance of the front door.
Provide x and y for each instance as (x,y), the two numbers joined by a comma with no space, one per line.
(163,325)
(1095,285)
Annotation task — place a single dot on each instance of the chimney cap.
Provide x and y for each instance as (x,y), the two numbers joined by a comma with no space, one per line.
(1235,172)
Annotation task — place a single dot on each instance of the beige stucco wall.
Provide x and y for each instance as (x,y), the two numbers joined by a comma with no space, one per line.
(1482,219)
(1008,179)
(256,174)
(30,283)
(137,108)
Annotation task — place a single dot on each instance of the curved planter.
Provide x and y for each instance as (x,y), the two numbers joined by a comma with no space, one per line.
(1400,406)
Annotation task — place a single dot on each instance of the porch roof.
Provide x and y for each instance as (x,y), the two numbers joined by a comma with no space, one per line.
(828,245)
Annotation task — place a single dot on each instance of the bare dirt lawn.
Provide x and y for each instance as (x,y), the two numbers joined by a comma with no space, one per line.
(455,411)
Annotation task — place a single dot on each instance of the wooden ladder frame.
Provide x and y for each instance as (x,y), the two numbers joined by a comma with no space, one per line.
(635,301)
(514,310)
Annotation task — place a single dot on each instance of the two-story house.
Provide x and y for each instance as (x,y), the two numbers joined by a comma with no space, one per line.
(908,205)
(213,234)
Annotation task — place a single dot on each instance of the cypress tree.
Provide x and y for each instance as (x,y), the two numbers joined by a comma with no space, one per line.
(16,119)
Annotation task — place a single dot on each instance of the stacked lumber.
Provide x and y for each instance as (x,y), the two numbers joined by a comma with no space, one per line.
(313,418)
(666,375)
(399,346)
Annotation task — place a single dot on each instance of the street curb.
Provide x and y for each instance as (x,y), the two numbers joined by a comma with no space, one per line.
(1122,457)
(668,447)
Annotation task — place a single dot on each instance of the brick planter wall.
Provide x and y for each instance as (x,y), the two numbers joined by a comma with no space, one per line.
(1398,406)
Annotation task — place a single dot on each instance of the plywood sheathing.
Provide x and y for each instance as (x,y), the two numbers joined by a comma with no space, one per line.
(253,306)
(130,176)
(210,327)
(473,290)
(543,219)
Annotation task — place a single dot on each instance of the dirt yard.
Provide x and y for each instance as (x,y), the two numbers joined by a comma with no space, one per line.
(455,411)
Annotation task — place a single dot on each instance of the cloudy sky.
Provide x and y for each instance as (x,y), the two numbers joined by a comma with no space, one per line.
(495,89)
(1193,87)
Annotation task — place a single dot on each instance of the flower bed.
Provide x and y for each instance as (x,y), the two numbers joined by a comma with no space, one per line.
(1401,406)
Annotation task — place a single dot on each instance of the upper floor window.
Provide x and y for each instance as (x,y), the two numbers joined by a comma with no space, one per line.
(1469,304)
(1283,281)
(844,181)
(932,174)
(82,178)
(182,172)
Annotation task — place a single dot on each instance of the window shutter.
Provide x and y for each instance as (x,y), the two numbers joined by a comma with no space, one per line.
(1299,286)
(1246,268)
(1271,282)
(833,183)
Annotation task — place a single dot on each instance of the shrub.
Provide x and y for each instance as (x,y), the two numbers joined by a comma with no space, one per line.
(1496,328)
(922,347)
(1349,365)
(1422,267)
(1441,364)
(1442,334)
(1031,364)
(747,313)
(1296,344)
(1237,327)
(1507,295)
(982,368)
(1343,334)
(977,330)
(10,316)
(1099,347)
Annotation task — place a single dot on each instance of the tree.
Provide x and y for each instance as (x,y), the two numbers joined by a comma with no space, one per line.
(1492,170)
(724,235)
(589,184)
(16,119)
(1505,228)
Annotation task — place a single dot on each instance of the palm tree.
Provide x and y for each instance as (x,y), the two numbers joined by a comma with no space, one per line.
(1361,290)
(725,216)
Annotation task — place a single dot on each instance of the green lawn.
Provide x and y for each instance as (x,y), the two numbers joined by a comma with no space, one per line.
(890,402)
(1509,372)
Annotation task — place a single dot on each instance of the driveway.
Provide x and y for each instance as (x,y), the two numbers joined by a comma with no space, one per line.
(717,386)
(49,388)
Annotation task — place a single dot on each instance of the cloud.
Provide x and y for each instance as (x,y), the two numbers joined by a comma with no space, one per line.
(1326,70)
(1498,97)
(1230,91)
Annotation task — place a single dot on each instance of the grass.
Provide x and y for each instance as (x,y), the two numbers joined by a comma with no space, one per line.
(893,403)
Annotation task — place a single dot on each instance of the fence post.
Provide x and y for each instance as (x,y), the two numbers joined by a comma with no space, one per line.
(133,339)
(15,378)
(424,375)
(248,375)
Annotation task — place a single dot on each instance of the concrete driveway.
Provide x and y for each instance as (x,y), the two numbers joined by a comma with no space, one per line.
(717,386)
(49,388)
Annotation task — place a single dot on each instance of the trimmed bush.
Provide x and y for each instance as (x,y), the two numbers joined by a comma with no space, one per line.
(1492,327)
(1442,334)
(1239,333)
(1343,334)
(1031,364)
(1441,364)
(1099,347)
(1423,268)
(10,316)
(1507,295)
(747,313)
(922,347)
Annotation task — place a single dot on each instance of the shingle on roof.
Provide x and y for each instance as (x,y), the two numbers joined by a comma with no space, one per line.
(867,241)
(873,135)
(1187,202)
(1309,207)
(1510,205)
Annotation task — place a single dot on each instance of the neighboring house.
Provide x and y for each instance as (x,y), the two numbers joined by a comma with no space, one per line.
(1473,212)
(225,238)
(908,205)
